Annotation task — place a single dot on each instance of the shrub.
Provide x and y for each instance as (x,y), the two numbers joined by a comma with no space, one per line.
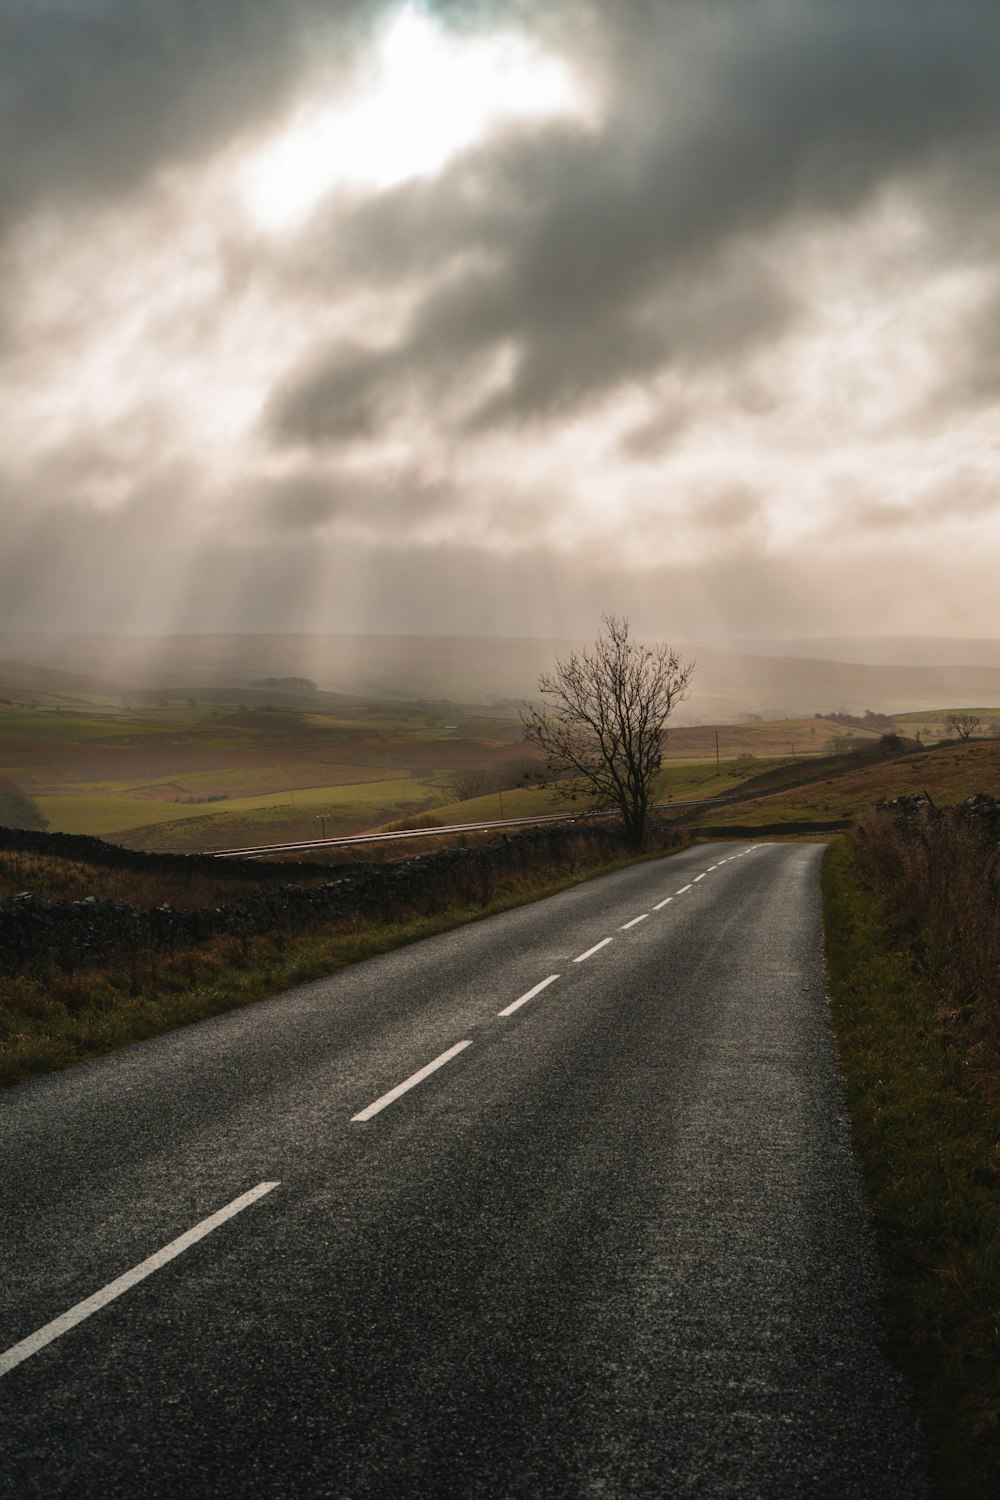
(937,873)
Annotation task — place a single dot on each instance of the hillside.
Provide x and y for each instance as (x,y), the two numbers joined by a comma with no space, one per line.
(882,651)
(948,772)
(486,670)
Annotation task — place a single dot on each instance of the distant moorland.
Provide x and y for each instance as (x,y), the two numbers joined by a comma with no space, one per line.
(270,757)
(491,671)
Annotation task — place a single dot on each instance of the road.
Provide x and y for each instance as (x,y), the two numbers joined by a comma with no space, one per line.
(614,1246)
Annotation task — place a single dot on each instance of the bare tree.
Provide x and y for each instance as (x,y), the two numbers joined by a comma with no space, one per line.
(465,782)
(602,726)
(964,725)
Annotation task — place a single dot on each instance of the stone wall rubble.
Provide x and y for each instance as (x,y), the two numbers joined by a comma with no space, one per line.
(36,932)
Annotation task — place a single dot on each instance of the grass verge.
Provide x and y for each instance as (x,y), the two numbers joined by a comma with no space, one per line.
(928,1148)
(57,1019)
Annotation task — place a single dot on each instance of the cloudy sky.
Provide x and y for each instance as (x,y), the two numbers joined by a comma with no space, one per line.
(490,317)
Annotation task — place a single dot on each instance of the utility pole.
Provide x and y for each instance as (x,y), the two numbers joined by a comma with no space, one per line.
(322,823)
(716,747)
(500,795)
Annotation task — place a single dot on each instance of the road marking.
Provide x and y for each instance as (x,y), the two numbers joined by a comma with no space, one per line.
(713,867)
(76,1314)
(699,877)
(626,925)
(602,944)
(543,985)
(661,904)
(411,1082)
(682,890)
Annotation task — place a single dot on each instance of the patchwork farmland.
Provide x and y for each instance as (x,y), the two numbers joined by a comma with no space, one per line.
(177,772)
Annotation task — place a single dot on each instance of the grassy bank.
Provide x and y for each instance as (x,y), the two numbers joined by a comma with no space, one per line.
(61,879)
(55,1019)
(926,1138)
(848,787)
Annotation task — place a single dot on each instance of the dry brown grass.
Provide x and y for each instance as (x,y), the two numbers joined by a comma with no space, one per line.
(848,787)
(938,877)
(908,1026)
(59,879)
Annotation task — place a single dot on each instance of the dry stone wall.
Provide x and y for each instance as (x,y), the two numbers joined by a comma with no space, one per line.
(36,933)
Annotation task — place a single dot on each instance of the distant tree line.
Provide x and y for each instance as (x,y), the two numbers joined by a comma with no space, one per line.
(868,720)
(287,684)
(963,725)
(463,783)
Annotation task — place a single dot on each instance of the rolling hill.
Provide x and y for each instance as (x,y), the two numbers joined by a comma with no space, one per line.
(491,670)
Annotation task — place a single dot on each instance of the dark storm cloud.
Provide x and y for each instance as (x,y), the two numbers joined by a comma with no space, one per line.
(304,504)
(97,94)
(68,561)
(967,495)
(731,509)
(578,323)
(75,569)
(651,248)
(598,257)
(969,369)
(652,440)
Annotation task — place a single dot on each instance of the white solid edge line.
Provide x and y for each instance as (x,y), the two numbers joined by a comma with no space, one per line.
(682,890)
(529,995)
(411,1082)
(661,904)
(635,920)
(76,1314)
(602,944)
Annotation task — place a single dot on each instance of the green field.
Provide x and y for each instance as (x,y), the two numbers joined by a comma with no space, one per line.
(679,781)
(177,774)
(105,813)
(214,775)
(171,774)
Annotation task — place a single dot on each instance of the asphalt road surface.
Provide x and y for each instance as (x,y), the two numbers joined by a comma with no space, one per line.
(613,1246)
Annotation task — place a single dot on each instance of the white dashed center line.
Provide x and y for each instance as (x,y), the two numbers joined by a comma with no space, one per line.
(699,877)
(661,904)
(626,925)
(595,949)
(682,890)
(530,995)
(81,1310)
(411,1082)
